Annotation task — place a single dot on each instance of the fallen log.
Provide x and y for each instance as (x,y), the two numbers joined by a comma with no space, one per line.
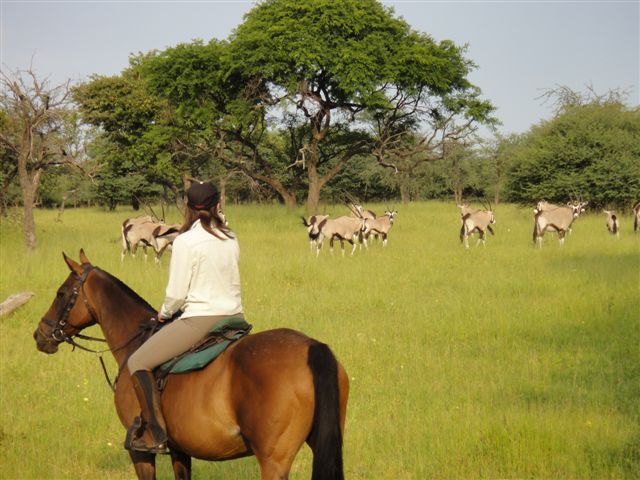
(14,301)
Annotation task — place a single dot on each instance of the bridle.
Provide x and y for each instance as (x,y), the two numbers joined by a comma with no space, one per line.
(58,326)
(59,335)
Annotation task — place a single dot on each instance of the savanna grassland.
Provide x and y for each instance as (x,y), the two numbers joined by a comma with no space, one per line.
(496,362)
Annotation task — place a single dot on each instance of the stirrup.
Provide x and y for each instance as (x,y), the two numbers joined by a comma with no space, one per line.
(139,445)
(135,430)
(135,440)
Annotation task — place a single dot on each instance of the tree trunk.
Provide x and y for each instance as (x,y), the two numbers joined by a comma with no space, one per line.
(289,200)
(61,210)
(313,195)
(14,301)
(222,185)
(29,187)
(404,193)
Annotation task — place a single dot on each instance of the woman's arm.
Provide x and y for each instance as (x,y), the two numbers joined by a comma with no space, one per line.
(180,269)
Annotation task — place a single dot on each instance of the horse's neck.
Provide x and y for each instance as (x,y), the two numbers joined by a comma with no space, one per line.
(120,315)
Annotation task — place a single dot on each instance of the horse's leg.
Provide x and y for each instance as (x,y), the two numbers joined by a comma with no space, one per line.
(276,444)
(274,466)
(144,463)
(181,465)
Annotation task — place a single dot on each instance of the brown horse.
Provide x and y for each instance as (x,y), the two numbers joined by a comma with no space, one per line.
(266,395)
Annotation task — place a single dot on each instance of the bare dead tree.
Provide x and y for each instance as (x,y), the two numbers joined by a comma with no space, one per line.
(33,131)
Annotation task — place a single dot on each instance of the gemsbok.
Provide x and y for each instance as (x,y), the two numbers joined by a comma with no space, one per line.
(345,229)
(636,217)
(379,225)
(475,221)
(146,232)
(127,225)
(310,222)
(555,218)
(613,224)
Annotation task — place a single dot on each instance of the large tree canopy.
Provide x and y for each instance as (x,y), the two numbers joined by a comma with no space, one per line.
(300,88)
(352,65)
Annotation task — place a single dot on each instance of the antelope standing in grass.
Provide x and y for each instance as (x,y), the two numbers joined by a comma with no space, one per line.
(475,221)
(313,233)
(379,225)
(555,218)
(613,225)
(347,229)
(146,232)
(127,225)
(636,217)
(163,237)
(543,205)
(359,211)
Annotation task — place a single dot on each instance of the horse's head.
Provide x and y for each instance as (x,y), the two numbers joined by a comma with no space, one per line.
(69,313)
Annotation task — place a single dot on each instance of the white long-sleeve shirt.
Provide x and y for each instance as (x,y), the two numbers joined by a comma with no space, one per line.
(204,278)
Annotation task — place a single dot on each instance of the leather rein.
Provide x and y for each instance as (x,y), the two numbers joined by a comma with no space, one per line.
(59,334)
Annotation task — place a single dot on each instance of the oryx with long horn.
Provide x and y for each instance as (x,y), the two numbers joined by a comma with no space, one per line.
(556,219)
(345,229)
(380,225)
(476,221)
(613,224)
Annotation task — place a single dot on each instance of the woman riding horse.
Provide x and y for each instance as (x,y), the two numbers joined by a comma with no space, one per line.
(204,285)
(266,395)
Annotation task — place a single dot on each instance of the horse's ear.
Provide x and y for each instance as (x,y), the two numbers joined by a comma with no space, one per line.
(83,257)
(73,266)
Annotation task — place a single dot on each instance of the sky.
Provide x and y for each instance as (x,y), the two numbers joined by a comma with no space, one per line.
(521,48)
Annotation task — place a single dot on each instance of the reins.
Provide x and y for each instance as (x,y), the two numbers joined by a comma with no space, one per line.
(59,335)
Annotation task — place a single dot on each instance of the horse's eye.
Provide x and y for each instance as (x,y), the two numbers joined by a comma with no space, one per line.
(60,294)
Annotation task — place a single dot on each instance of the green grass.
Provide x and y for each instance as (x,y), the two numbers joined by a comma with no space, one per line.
(496,362)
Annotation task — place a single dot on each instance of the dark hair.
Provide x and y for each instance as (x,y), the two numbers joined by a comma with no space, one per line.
(210,221)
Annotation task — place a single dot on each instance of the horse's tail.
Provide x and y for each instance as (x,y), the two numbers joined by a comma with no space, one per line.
(325,438)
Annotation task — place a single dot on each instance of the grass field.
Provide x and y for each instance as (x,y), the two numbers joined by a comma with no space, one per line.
(496,362)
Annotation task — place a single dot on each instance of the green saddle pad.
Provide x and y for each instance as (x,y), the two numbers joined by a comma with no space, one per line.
(199,359)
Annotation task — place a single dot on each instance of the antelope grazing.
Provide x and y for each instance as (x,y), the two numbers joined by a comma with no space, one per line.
(379,226)
(310,222)
(555,218)
(613,224)
(636,217)
(475,221)
(347,229)
(146,232)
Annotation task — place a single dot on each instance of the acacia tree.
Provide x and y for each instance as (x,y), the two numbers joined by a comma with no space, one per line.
(589,149)
(339,65)
(34,115)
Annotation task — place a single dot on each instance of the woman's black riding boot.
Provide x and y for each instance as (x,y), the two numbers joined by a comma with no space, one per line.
(154,437)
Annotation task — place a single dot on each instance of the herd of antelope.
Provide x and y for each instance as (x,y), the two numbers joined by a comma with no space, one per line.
(147,231)
(357,227)
(546,217)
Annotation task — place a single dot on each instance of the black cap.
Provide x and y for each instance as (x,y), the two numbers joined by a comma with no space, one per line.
(202,195)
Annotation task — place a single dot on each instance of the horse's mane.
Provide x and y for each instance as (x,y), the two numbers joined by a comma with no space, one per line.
(126,288)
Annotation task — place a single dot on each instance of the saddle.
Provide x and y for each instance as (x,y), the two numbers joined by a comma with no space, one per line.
(206,351)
